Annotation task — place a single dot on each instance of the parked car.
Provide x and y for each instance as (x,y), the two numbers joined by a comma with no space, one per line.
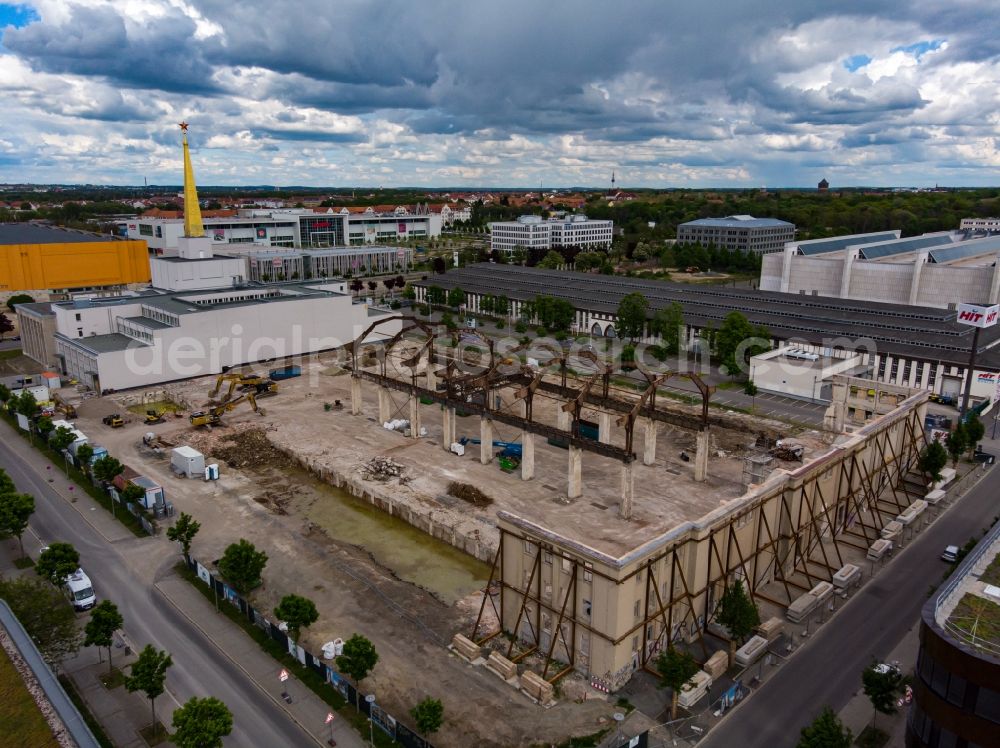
(950,554)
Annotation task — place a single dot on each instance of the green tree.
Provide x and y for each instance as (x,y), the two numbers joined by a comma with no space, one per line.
(201,723)
(84,453)
(107,468)
(61,438)
(358,659)
(676,668)
(957,442)
(436,295)
(456,297)
(730,345)
(632,315)
(100,630)
(57,562)
(149,674)
(298,612)
(551,261)
(241,565)
(933,459)
(750,388)
(183,532)
(44,426)
(15,512)
(5,394)
(881,684)
(974,431)
(26,404)
(826,731)
(429,715)
(738,613)
(668,323)
(45,614)
(19,298)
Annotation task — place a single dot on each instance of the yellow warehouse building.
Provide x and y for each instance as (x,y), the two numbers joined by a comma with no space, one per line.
(36,257)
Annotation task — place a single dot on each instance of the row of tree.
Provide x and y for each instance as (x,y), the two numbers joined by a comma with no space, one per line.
(242,566)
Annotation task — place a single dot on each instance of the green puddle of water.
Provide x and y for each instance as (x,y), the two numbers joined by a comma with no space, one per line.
(413,555)
(160,406)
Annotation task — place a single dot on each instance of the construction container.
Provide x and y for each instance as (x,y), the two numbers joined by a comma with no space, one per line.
(285,372)
(187,461)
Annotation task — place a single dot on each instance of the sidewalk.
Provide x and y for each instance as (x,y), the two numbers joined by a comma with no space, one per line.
(857,714)
(306,708)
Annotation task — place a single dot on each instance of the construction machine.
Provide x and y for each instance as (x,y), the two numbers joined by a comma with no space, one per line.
(213,415)
(256,383)
(67,409)
(115,421)
(153,417)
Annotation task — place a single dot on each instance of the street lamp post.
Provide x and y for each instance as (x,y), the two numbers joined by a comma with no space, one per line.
(370,700)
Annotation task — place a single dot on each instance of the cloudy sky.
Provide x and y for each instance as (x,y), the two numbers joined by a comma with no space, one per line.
(667,93)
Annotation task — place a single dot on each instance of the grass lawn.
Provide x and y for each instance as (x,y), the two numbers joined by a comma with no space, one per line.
(978,617)
(9,354)
(112,680)
(872,737)
(23,725)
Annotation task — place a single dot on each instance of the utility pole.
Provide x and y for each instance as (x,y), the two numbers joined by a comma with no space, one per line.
(978,316)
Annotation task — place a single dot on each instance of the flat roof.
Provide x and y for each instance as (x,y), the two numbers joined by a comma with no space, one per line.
(104,343)
(737,222)
(926,333)
(37,233)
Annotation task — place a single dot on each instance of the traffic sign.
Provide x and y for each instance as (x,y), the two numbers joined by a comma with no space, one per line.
(283,675)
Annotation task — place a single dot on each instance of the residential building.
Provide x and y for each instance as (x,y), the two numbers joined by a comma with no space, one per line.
(741,232)
(956,687)
(535,232)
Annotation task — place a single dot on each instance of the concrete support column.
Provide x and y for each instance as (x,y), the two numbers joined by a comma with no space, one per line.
(414,416)
(485,440)
(527,455)
(604,428)
(384,405)
(845,279)
(431,377)
(628,486)
(574,486)
(564,420)
(649,442)
(355,396)
(701,456)
(995,284)
(448,418)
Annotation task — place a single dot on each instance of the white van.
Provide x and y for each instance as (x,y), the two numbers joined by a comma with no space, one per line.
(80,591)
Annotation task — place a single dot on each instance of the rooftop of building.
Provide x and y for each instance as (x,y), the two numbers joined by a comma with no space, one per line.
(837,243)
(739,221)
(39,233)
(104,343)
(967,607)
(925,333)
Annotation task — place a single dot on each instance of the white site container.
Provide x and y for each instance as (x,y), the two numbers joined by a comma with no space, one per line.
(187,461)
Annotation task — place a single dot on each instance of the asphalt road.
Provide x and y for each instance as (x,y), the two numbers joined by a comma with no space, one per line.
(827,670)
(199,668)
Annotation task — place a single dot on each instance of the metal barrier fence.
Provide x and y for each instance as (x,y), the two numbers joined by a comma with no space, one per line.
(379,717)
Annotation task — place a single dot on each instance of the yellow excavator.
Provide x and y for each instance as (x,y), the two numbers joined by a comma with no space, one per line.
(260,385)
(213,415)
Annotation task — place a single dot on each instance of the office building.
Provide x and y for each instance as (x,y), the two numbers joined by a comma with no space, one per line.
(535,232)
(743,233)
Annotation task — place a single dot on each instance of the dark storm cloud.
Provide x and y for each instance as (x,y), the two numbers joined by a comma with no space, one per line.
(95,42)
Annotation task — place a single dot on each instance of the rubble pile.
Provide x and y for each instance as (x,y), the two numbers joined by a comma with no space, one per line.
(468,492)
(382,469)
(249,449)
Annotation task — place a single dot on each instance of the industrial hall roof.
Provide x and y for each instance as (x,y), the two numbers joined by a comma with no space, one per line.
(923,333)
(37,233)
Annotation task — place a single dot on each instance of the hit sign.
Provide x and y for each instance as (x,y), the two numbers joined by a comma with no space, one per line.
(978,315)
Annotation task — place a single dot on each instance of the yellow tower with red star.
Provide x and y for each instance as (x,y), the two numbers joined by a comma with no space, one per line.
(194,244)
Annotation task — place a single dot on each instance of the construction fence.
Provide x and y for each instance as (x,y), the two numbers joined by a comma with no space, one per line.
(379,717)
